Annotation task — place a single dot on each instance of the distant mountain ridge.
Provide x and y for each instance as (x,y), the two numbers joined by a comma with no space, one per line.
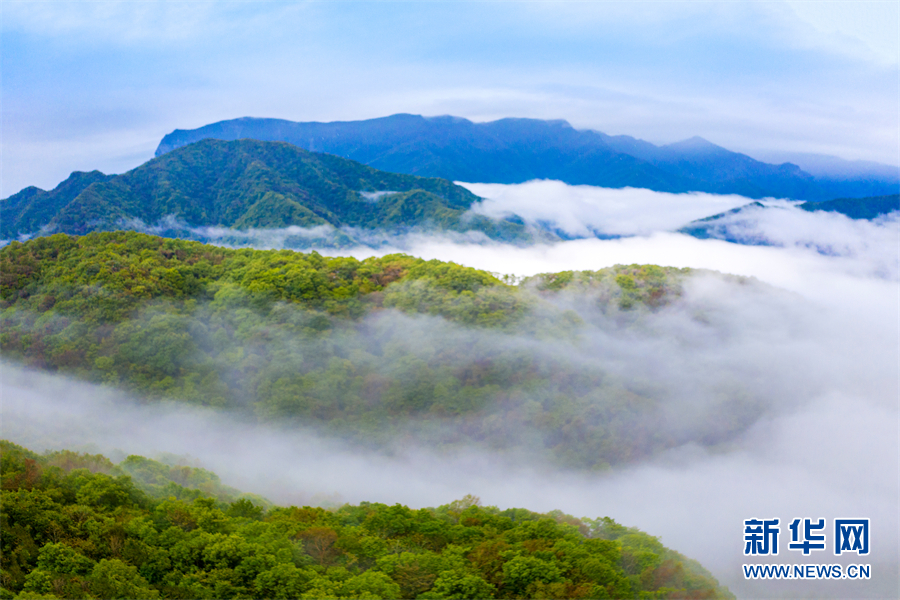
(247,184)
(823,165)
(518,150)
(216,191)
(731,225)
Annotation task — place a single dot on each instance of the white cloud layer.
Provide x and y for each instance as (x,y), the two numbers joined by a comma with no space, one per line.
(584,210)
(828,352)
(827,445)
(817,254)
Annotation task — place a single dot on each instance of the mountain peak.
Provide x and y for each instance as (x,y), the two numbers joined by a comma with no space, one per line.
(243,184)
(514,150)
(447,119)
(694,144)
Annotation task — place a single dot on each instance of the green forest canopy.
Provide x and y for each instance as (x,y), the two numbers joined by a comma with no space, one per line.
(372,351)
(248,184)
(78,526)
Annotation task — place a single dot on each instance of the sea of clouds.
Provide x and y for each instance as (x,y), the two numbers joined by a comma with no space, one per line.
(828,353)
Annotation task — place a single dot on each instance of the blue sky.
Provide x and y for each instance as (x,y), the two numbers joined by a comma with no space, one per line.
(95,85)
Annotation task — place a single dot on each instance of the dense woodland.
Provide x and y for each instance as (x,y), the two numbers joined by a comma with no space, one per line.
(249,184)
(78,526)
(388,353)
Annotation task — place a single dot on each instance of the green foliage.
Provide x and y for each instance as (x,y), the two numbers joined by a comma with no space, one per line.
(626,288)
(246,184)
(54,545)
(103,491)
(162,480)
(32,208)
(456,585)
(112,578)
(306,339)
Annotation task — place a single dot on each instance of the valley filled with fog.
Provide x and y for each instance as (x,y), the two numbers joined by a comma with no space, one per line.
(777,391)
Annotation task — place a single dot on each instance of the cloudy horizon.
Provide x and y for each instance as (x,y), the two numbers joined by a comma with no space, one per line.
(96,85)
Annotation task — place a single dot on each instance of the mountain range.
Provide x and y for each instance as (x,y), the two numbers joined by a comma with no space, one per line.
(728,225)
(518,150)
(234,185)
(247,184)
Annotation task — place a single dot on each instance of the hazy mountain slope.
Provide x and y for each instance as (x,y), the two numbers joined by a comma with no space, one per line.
(823,165)
(843,178)
(857,208)
(518,150)
(712,226)
(244,184)
(505,151)
(378,352)
(736,173)
(723,171)
(739,224)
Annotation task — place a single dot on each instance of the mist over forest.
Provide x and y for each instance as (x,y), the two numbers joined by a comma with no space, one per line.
(738,380)
(442,300)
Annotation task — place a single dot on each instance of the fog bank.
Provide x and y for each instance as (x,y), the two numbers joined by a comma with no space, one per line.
(834,458)
(822,352)
(585,210)
(826,444)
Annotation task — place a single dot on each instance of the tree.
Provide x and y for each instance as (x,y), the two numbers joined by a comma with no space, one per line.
(455,584)
(520,572)
(114,579)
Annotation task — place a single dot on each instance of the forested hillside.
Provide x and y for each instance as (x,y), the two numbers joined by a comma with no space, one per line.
(731,225)
(517,150)
(78,526)
(857,208)
(384,351)
(245,184)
